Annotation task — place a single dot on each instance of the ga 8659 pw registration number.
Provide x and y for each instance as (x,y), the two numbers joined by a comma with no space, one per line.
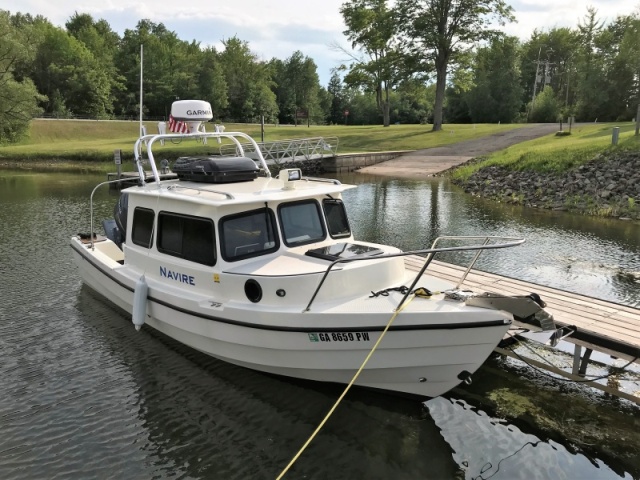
(339,337)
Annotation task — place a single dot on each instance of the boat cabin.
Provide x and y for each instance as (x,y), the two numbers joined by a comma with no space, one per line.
(201,233)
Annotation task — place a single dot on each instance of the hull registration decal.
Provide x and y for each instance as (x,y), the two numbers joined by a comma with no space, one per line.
(339,337)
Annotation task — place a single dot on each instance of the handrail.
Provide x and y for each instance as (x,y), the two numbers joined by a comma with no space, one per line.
(278,151)
(430,252)
(91,206)
(320,179)
(208,190)
(150,139)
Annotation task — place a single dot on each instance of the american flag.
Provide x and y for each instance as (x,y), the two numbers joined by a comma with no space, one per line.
(177,126)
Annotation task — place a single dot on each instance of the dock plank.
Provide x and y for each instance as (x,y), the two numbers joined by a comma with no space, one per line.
(601,320)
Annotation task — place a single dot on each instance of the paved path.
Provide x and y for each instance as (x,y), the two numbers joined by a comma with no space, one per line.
(430,161)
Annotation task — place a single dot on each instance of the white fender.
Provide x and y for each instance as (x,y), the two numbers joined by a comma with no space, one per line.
(140,302)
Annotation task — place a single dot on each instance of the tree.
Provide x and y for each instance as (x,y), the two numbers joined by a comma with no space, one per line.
(18,96)
(211,82)
(296,86)
(248,82)
(338,104)
(626,68)
(591,96)
(546,108)
(413,101)
(439,31)
(65,69)
(371,27)
(102,42)
(550,58)
(497,94)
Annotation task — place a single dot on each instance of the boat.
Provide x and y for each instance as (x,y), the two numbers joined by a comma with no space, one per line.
(263,271)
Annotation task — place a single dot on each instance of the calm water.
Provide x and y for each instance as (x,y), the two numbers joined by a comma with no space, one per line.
(82,395)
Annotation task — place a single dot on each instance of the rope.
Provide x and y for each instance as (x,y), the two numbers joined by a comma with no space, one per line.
(421,292)
(347,388)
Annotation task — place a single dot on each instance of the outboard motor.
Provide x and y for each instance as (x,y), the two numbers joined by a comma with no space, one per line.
(120,211)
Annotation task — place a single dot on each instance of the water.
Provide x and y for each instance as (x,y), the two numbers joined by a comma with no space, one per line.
(82,395)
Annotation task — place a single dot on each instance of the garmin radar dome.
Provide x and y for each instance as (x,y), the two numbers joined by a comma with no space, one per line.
(191,112)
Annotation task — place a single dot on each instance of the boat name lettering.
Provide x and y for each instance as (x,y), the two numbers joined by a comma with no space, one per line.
(339,337)
(179,277)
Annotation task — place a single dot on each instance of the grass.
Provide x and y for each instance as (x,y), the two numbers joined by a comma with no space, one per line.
(65,143)
(553,153)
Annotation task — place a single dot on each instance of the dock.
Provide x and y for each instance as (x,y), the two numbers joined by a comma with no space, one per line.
(596,325)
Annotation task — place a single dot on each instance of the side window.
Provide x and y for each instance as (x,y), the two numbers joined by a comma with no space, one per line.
(248,235)
(142,227)
(336,216)
(184,236)
(301,223)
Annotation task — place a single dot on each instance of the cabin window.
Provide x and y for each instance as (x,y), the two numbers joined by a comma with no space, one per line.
(187,237)
(336,216)
(248,234)
(142,227)
(301,223)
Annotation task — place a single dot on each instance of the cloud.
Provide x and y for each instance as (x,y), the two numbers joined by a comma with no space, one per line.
(279,28)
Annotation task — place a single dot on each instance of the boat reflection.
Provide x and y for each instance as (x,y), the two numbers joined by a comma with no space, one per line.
(203,418)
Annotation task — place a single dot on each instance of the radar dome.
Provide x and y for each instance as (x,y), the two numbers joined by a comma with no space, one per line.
(193,112)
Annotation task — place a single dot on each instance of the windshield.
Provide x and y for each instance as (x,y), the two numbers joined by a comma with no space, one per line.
(301,223)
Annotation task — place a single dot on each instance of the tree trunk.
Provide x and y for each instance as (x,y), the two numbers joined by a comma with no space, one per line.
(441,80)
(385,107)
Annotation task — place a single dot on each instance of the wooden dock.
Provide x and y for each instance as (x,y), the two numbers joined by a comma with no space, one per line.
(599,325)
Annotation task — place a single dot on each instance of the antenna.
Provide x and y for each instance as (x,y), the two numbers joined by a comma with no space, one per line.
(141,70)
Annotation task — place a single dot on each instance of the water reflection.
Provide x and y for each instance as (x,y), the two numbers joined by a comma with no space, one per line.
(84,395)
(587,255)
(207,419)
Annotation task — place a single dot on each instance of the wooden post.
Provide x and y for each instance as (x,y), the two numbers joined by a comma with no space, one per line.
(117,158)
(638,118)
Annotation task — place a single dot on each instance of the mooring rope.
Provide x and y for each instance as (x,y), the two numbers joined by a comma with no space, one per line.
(347,388)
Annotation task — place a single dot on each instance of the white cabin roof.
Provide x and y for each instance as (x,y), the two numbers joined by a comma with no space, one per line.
(261,189)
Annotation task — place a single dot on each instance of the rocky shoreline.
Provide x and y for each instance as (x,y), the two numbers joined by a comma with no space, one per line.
(608,186)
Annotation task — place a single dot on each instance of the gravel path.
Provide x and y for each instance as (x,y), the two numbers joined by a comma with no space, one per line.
(430,161)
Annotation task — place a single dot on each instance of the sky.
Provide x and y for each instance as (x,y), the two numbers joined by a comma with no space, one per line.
(277,28)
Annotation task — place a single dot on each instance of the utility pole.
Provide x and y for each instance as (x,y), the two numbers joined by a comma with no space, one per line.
(535,81)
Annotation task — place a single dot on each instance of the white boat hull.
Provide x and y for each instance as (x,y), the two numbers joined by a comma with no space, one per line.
(424,353)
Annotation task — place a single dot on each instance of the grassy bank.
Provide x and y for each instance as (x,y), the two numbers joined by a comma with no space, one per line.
(81,144)
(556,153)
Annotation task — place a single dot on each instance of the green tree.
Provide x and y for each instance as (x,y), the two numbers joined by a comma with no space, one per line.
(371,27)
(440,31)
(211,81)
(625,68)
(102,42)
(338,102)
(171,69)
(553,57)
(413,102)
(297,87)
(545,108)
(18,96)
(497,94)
(248,81)
(591,97)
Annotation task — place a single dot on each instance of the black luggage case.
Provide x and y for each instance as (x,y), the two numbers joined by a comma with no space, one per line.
(215,169)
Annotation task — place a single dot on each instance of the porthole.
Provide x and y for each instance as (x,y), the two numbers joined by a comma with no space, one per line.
(253,290)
